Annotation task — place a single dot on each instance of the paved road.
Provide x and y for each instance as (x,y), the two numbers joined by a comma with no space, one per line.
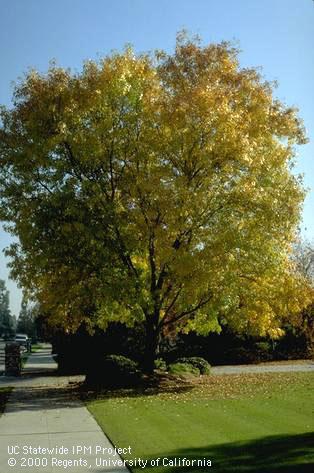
(40,362)
(40,370)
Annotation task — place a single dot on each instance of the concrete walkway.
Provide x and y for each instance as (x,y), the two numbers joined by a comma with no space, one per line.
(43,413)
(271,367)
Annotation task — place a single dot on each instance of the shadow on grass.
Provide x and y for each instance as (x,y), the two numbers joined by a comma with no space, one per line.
(274,454)
(149,386)
(31,398)
(86,395)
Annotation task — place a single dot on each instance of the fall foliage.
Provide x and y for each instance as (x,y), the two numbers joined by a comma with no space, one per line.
(154,188)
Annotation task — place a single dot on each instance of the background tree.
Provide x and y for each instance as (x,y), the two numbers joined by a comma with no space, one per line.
(26,322)
(6,319)
(303,256)
(155,189)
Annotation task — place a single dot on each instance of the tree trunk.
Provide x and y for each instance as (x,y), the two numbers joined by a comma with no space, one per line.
(151,345)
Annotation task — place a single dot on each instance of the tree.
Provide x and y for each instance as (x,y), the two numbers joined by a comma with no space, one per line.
(154,189)
(6,320)
(303,256)
(26,322)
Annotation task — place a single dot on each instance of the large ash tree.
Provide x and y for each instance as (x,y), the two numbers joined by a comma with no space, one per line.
(155,190)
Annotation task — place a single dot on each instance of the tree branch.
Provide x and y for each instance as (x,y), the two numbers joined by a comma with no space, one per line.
(201,304)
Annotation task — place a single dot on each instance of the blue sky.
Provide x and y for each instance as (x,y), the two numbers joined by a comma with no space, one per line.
(275,34)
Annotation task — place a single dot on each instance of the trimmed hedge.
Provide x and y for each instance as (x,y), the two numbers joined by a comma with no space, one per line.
(185,369)
(197,362)
(160,364)
(113,371)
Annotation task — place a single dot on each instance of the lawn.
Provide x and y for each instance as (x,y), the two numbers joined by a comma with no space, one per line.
(242,423)
(36,347)
(4,394)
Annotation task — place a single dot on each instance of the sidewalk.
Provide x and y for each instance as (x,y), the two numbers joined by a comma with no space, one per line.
(299,366)
(43,413)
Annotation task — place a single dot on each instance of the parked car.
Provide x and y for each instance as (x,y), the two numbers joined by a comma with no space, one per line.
(23,340)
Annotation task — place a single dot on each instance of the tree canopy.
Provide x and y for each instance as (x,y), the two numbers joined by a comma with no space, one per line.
(154,188)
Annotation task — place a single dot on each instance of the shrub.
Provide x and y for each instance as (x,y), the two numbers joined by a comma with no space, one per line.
(197,362)
(160,364)
(240,355)
(251,353)
(184,369)
(263,351)
(114,371)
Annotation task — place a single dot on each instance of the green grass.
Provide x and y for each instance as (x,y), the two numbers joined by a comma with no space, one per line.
(4,394)
(36,347)
(243,423)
